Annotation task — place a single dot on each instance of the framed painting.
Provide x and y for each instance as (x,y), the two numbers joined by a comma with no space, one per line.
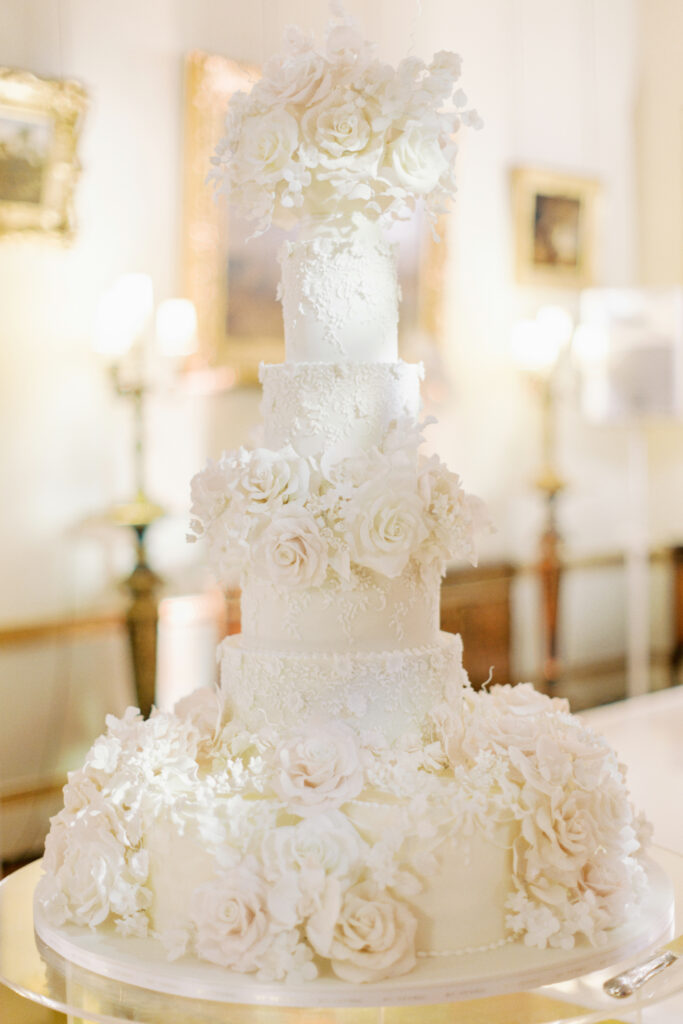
(232,279)
(555,228)
(40,122)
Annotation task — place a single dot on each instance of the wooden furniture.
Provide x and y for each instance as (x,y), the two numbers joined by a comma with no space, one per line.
(677,652)
(476,602)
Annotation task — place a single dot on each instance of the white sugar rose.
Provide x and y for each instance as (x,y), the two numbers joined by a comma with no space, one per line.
(266,145)
(210,493)
(203,709)
(267,477)
(560,839)
(299,859)
(231,918)
(290,550)
(318,768)
(386,521)
(507,718)
(366,935)
(301,81)
(611,879)
(417,160)
(338,135)
(90,875)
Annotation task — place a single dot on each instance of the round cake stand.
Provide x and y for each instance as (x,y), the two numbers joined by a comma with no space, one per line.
(37,972)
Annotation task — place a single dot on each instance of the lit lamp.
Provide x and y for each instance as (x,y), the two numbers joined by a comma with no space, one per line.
(536,346)
(123,331)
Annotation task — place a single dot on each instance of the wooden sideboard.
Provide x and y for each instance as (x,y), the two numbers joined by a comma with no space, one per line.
(476,602)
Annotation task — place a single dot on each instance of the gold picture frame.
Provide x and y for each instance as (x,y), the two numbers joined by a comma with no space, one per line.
(40,122)
(555,228)
(232,281)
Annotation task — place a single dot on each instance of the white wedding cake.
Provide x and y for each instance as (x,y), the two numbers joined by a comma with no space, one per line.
(345,803)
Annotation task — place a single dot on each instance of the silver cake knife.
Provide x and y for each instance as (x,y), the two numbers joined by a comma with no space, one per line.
(623,985)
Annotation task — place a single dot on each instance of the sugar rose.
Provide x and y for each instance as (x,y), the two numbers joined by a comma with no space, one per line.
(209,490)
(303,81)
(266,149)
(417,160)
(334,131)
(231,918)
(290,551)
(366,935)
(203,709)
(299,859)
(318,768)
(90,875)
(266,477)
(386,525)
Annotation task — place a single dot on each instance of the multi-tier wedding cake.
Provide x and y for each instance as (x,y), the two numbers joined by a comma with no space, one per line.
(345,803)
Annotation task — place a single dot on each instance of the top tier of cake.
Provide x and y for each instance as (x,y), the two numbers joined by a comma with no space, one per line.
(340,298)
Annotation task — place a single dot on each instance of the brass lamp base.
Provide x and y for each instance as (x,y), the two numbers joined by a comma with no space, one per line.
(143,586)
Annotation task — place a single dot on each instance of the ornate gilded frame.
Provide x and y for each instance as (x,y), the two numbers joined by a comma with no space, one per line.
(56,106)
(532,187)
(210,80)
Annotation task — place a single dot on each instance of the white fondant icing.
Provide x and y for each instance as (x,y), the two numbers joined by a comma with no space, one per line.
(343,406)
(340,299)
(389,691)
(369,613)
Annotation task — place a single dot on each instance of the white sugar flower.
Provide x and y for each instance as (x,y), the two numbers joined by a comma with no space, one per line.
(210,491)
(366,935)
(90,873)
(455,517)
(299,80)
(336,131)
(266,146)
(386,524)
(267,477)
(203,709)
(231,918)
(299,859)
(318,768)
(291,551)
(417,160)
(309,140)
(228,548)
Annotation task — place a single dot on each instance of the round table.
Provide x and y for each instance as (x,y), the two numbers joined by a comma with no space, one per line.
(36,973)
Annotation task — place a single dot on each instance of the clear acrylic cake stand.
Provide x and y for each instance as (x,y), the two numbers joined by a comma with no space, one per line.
(40,975)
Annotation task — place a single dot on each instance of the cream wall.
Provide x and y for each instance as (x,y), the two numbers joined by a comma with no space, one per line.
(660,224)
(555,81)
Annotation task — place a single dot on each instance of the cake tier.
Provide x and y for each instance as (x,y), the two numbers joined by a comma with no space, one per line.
(371,613)
(323,848)
(461,907)
(340,298)
(317,406)
(390,692)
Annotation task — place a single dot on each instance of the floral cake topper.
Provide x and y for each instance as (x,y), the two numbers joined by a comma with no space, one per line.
(335,135)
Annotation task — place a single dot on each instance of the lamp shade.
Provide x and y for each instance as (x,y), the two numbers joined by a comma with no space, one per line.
(123,313)
(176,327)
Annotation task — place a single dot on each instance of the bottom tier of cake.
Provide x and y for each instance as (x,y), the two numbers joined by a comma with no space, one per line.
(320,850)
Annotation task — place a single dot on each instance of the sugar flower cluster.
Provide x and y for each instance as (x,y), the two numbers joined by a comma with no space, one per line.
(575,873)
(338,134)
(298,874)
(302,521)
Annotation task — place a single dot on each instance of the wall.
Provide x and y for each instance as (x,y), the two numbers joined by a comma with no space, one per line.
(555,81)
(660,217)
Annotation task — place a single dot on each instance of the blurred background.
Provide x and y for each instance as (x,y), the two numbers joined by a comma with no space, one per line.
(549,320)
